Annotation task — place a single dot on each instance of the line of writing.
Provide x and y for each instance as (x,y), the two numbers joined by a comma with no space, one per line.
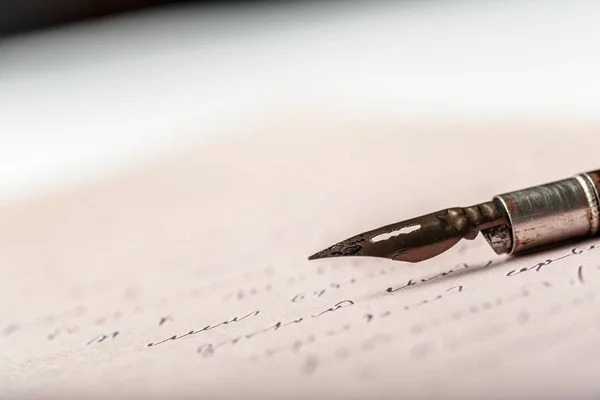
(537,267)
(337,306)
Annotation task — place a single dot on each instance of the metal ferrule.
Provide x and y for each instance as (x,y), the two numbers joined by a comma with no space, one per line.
(548,214)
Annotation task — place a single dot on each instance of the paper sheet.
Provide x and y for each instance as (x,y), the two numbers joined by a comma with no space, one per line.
(189,278)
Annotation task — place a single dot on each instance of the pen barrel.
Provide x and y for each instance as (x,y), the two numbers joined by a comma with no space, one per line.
(552,213)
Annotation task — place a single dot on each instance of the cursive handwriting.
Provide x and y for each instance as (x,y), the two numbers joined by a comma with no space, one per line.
(208,349)
(298,344)
(101,338)
(335,285)
(479,307)
(341,304)
(206,328)
(47,320)
(448,292)
(241,294)
(320,292)
(413,282)
(523,317)
(452,340)
(538,267)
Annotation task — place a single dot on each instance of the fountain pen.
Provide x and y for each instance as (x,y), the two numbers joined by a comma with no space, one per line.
(512,223)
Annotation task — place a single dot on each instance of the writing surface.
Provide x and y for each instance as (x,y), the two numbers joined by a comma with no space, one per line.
(190,277)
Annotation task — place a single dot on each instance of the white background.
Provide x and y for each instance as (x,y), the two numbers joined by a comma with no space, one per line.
(88,98)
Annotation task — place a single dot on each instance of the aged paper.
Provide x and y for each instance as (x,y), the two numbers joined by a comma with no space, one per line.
(189,278)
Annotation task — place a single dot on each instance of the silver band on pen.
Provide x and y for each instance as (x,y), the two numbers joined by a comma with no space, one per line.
(548,214)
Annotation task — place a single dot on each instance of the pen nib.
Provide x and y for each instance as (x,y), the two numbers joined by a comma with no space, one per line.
(348,247)
(419,238)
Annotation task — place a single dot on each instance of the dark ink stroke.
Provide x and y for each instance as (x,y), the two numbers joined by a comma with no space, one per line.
(208,349)
(341,304)
(413,282)
(538,267)
(206,328)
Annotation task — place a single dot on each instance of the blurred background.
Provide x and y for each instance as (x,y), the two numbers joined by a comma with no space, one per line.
(89,86)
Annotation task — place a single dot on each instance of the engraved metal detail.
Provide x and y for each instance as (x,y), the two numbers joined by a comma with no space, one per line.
(512,223)
(436,233)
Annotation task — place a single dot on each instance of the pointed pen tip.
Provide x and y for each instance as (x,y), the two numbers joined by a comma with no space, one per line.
(348,247)
(411,241)
(420,238)
(321,254)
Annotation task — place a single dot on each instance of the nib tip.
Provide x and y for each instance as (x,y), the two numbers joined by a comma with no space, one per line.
(341,249)
(316,256)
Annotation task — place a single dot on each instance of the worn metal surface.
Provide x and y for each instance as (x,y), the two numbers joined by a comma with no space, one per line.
(594,178)
(547,214)
(591,194)
(420,238)
(499,238)
(512,223)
